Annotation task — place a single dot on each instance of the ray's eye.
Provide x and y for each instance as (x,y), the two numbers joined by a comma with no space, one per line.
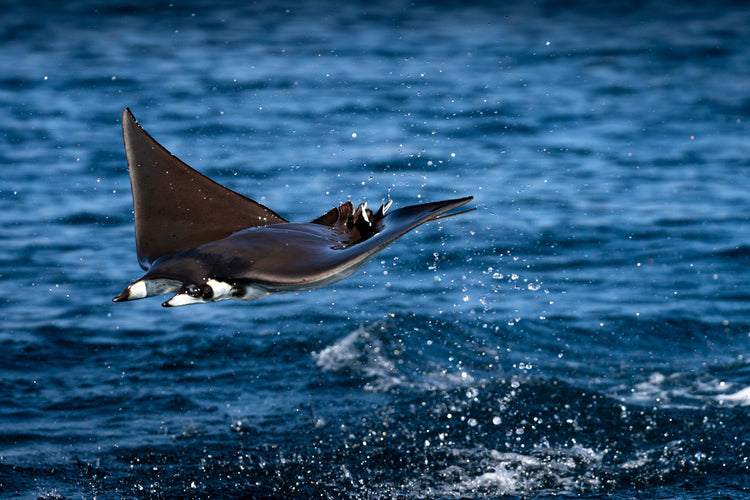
(203,291)
(207,292)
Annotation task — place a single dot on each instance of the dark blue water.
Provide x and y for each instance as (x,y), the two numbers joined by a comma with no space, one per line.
(585,333)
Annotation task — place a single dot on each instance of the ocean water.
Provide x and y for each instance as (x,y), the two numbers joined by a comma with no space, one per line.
(585,333)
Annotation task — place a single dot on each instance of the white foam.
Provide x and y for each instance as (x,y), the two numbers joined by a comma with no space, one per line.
(372,352)
(742,397)
(681,390)
(488,472)
(364,353)
(340,354)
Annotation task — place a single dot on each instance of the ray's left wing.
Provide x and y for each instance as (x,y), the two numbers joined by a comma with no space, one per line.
(176,207)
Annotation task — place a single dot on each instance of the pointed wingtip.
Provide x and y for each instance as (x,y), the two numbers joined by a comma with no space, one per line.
(131,130)
(129,123)
(459,202)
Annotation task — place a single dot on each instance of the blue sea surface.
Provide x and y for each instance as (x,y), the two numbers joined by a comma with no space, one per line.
(585,333)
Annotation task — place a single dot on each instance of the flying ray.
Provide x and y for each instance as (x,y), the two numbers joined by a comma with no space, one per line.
(206,243)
